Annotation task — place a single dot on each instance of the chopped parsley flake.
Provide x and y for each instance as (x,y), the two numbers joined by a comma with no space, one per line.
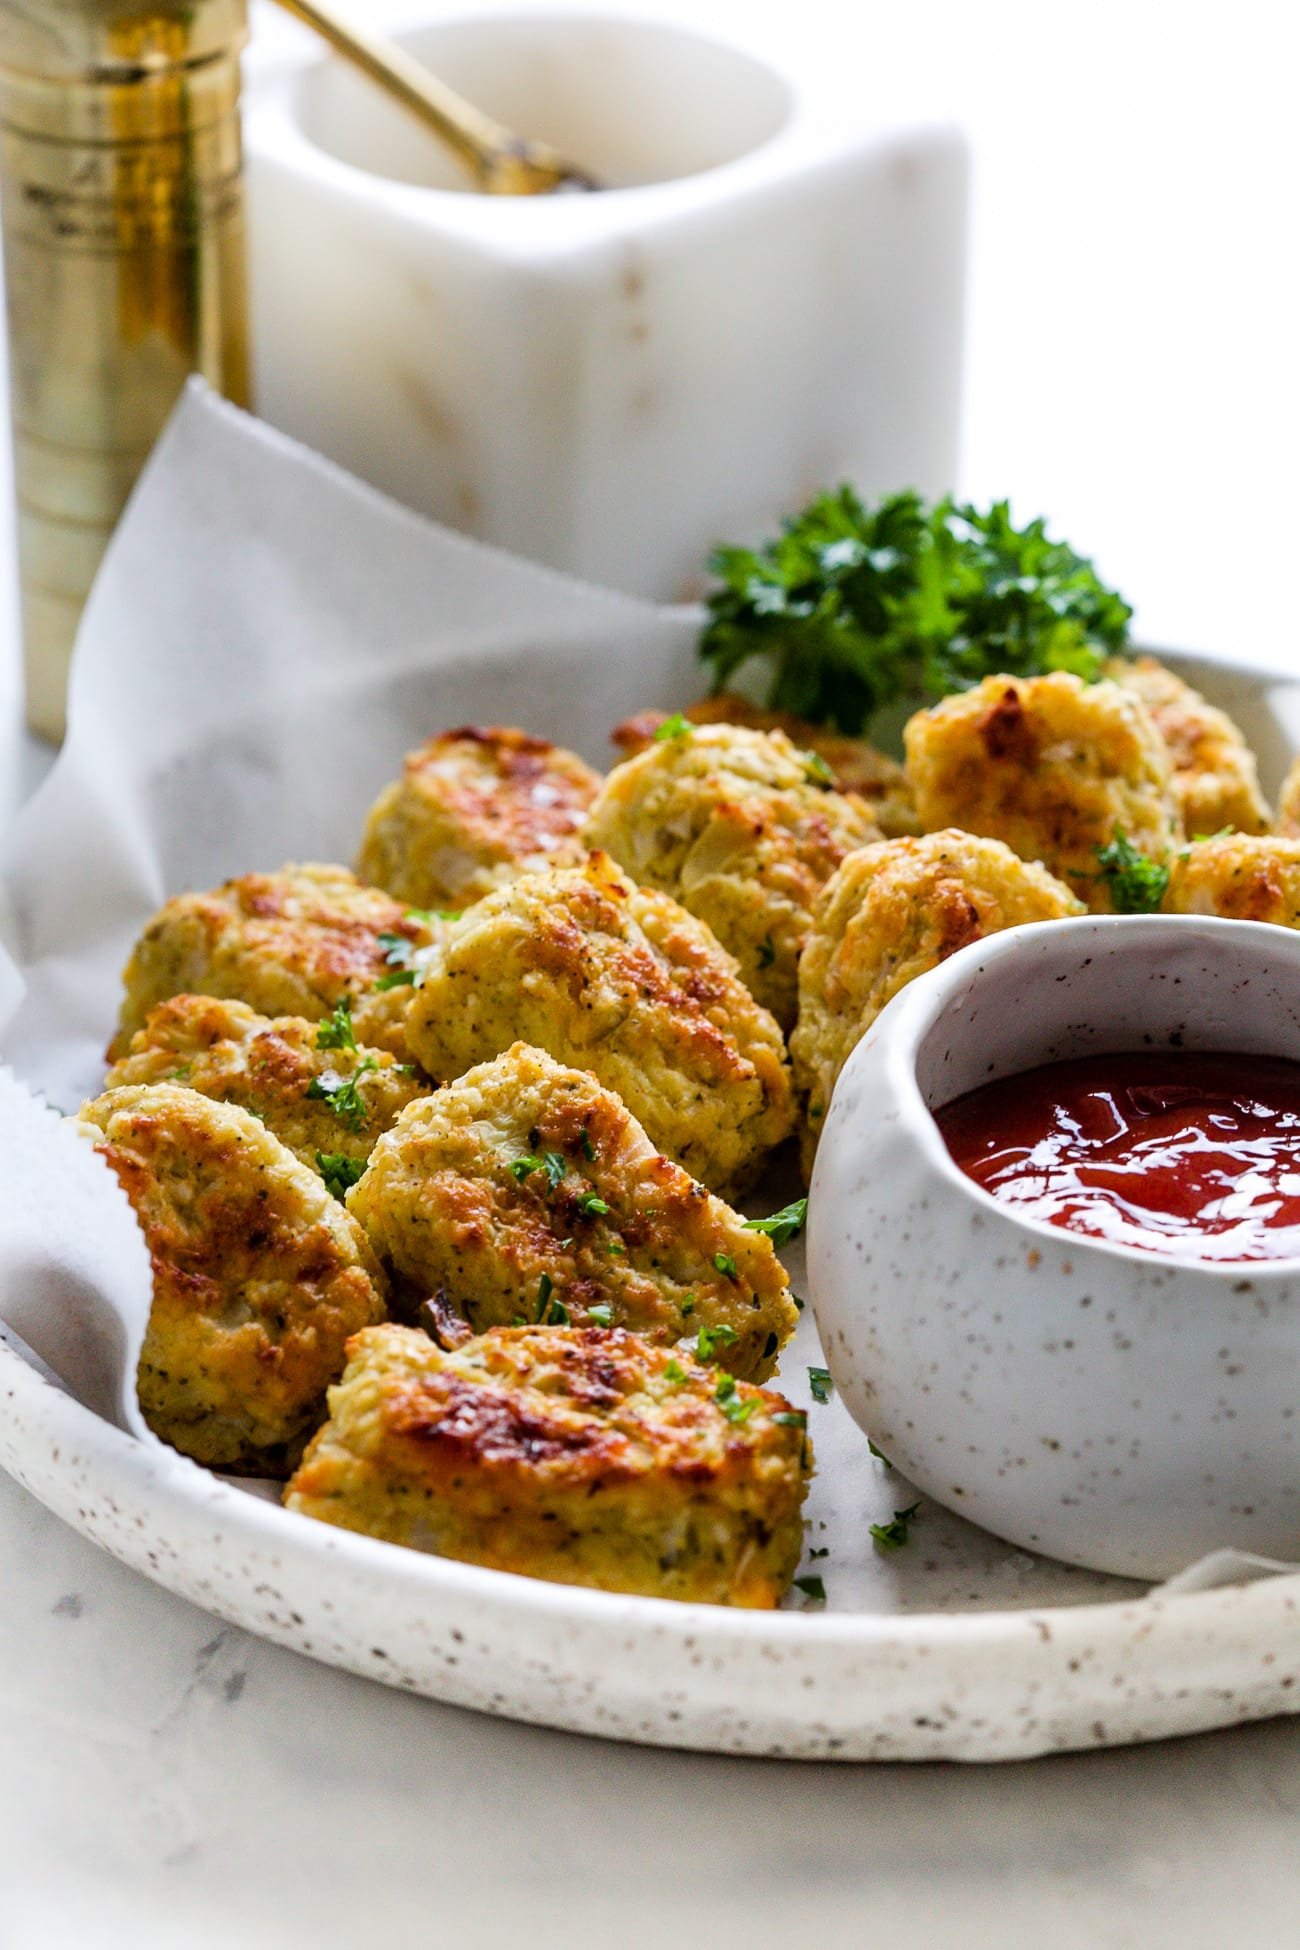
(726,1265)
(592,1204)
(428,914)
(675,727)
(688,1305)
(738,1410)
(1136,883)
(766,952)
(675,1372)
(709,1339)
(812,1587)
(550,1162)
(550,1311)
(879,1454)
(817,770)
(798,1303)
(336,1032)
(339,1171)
(617,1250)
(819,1380)
(405,969)
(795,1418)
(602,1315)
(783,1226)
(588,1148)
(892,1536)
(725,1388)
(343,1094)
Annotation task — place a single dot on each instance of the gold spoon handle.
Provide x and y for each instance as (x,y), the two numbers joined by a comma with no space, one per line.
(501,163)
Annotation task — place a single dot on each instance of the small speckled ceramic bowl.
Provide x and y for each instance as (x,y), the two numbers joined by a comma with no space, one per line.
(1104,1405)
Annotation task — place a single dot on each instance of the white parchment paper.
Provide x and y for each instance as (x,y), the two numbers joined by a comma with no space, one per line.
(266,639)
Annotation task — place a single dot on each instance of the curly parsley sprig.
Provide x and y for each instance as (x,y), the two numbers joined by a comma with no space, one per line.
(1136,883)
(404,969)
(336,1031)
(339,1171)
(852,606)
(783,1226)
(343,1093)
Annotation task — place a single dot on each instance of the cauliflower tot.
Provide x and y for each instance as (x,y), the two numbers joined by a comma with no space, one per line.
(744,830)
(293,943)
(618,980)
(1243,877)
(1288,806)
(890,913)
(472,809)
(1051,766)
(260,1276)
(583,1456)
(877,779)
(525,1191)
(323,1094)
(1215,782)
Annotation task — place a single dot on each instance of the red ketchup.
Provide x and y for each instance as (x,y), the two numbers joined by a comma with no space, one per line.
(1190,1153)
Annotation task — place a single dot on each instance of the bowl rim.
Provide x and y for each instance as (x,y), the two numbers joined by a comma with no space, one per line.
(903,1025)
(286,91)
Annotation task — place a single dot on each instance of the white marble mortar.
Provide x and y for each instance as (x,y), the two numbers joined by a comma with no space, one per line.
(767,301)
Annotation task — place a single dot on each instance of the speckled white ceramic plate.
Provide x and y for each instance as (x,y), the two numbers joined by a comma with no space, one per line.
(955,1647)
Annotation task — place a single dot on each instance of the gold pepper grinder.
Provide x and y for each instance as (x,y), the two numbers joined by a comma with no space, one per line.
(122,209)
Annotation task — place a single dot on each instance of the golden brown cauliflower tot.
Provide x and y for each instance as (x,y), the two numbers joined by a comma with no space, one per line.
(619,980)
(1288,805)
(260,1276)
(877,779)
(892,912)
(581,1456)
(741,828)
(1051,766)
(323,1094)
(525,1191)
(1243,877)
(1215,781)
(293,943)
(472,809)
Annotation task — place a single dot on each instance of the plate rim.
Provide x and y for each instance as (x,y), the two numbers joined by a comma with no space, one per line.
(186,1482)
(672,1640)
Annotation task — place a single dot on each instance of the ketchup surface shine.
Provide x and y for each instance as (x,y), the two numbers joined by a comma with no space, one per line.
(1184,1152)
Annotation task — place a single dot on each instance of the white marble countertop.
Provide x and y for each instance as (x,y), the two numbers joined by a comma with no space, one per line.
(164,1780)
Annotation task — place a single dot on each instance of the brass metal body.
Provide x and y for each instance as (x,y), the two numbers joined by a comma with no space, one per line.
(124,248)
